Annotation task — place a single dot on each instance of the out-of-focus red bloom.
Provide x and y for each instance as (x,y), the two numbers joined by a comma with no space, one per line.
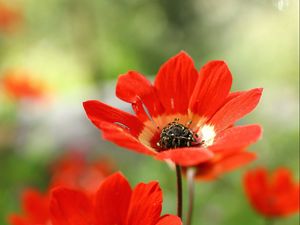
(114,203)
(72,171)
(223,162)
(272,195)
(186,116)
(75,171)
(9,17)
(20,85)
(35,207)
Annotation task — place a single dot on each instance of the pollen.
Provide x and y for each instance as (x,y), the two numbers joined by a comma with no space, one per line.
(176,135)
(208,135)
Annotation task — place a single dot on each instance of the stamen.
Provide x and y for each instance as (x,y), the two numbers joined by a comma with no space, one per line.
(189,123)
(148,113)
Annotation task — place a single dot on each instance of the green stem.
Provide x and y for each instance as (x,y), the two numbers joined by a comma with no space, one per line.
(191,172)
(270,221)
(179,191)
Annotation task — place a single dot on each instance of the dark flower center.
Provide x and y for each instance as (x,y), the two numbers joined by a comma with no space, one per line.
(176,135)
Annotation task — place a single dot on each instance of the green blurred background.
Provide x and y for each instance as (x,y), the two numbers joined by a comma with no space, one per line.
(78,48)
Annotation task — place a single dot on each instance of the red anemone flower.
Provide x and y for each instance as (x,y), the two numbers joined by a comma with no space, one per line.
(184,117)
(36,209)
(74,171)
(223,162)
(272,195)
(114,203)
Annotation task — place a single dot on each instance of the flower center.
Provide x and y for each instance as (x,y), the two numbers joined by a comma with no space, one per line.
(176,135)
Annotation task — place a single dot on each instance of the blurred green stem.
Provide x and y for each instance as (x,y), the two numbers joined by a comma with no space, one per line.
(179,191)
(270,221)
(191,172)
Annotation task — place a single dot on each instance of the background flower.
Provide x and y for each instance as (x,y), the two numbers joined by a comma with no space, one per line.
(36,209)
(9,17)
(272,195)
(74,170)
(20,85)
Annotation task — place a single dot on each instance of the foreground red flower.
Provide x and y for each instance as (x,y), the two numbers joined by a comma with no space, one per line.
(272,195)
(115,203)
(21,85)
(36,209)
(185,117)
(223,162)
(74,171)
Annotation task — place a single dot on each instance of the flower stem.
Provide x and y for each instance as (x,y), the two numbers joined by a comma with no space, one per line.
(179,191)
(270,221)
(191,172)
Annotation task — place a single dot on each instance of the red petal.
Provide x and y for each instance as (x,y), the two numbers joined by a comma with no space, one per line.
(256,183)
(175,83)
(112,200)
(236,137)
(69,207)
(145,204)
(135,88)
(36,206)
(227,164)
(169,220)
(233,95)
(235,109)
(286,192)
(236,160)
(17,220)
(282,180)
(99,112)
(256,187)
(186,156)
(123,138)
(211,89)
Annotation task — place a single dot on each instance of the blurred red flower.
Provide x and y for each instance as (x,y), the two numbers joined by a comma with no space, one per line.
(185,116)
(74,171)
(9,17)
(20,85)
(223,162)
(115,203)
(272,195)
(36,209)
